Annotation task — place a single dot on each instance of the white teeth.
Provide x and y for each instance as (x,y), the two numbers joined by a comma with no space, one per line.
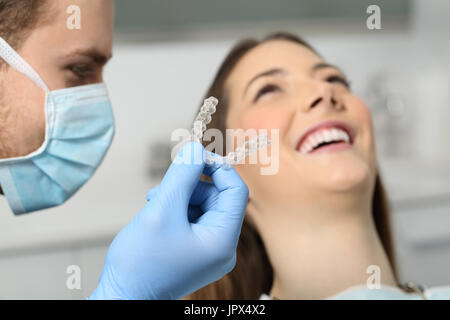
(344,136)
(324,135)
(314,141)
(335,134)
(328,135)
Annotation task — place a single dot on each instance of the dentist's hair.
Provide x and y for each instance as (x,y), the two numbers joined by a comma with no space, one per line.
(18,18)
(253,274)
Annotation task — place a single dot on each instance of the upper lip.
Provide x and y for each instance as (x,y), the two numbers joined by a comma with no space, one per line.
(327,124)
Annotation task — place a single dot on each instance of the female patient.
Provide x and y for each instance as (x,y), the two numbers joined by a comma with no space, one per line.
(312,229)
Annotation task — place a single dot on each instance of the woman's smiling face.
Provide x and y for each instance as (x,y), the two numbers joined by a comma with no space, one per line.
(283,85)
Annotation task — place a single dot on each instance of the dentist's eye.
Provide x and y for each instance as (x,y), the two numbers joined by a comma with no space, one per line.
(81,71)
(266,89)
(338,79)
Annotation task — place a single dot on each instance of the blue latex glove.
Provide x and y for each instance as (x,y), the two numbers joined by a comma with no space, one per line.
(184,238)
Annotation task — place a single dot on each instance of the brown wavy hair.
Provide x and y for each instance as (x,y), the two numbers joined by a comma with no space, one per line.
(253,274)
(18,18)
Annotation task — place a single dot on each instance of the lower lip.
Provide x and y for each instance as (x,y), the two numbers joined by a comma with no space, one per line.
(332,148)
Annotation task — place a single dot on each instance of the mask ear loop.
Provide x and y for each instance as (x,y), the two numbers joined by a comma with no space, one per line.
(14,60)
(17,62)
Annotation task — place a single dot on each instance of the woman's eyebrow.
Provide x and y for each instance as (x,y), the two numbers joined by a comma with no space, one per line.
(270,72)
(324,65)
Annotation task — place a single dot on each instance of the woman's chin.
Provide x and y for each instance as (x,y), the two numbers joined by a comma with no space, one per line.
(347,176)
(340,172)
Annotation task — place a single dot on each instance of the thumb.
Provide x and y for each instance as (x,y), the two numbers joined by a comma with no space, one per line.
(184,172)
(229,208)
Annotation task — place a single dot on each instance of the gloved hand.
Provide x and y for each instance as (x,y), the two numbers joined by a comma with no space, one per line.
(184,238)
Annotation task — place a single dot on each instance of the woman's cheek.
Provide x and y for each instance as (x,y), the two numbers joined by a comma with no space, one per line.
(364,111)
(363,118)
(268,118)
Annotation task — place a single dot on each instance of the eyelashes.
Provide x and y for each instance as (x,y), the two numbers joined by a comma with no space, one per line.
(338,79)
(81,71)
(80,74)
(264,90)
(270,88)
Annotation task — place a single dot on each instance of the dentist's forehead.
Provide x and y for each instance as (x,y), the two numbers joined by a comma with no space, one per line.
(95,21)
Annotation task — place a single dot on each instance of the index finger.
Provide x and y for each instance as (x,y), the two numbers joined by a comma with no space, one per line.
(233,192)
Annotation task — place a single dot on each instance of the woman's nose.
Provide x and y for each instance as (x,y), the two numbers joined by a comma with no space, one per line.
(323,96)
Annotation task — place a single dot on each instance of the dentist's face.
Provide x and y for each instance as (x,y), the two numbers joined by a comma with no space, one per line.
(63,57)
(283,85)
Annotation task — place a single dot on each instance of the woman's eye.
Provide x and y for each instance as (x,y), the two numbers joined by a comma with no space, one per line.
(338,79)
(266,89)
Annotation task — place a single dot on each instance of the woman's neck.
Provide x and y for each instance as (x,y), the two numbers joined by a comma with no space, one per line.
(315,254)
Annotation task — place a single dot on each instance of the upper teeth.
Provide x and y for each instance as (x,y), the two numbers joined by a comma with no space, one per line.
(321,136)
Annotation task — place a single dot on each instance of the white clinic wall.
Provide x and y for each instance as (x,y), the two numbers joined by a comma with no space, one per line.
(156,88)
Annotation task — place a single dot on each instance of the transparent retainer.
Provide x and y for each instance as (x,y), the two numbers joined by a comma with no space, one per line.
(203,118)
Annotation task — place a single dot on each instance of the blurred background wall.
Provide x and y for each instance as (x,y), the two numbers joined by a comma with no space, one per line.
(165,55)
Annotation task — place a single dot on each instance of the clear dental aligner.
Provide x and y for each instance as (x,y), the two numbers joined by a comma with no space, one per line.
(203,118)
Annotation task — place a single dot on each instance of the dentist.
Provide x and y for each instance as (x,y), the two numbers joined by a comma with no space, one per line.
(56,125)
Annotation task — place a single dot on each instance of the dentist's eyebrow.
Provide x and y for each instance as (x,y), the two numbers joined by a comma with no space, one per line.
(91,53)
(271,72)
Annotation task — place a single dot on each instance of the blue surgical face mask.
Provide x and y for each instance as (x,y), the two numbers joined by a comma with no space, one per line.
(79,131)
